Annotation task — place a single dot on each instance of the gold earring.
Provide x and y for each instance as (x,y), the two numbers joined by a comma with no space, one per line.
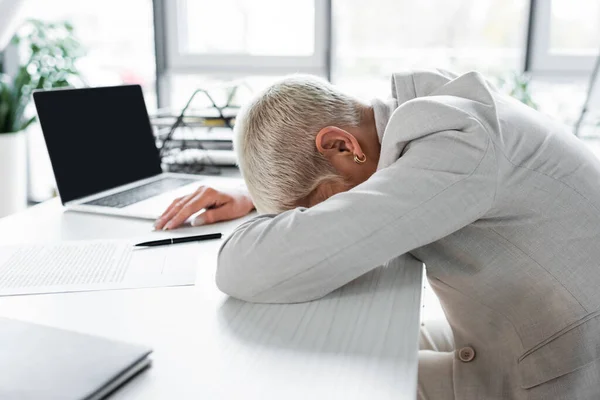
(360,160)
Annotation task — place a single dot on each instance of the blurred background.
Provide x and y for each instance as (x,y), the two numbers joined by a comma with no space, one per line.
(543,52)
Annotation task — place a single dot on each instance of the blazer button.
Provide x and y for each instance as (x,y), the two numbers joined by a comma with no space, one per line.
(466,354)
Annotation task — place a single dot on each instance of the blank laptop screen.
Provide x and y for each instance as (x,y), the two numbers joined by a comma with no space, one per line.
(97,138)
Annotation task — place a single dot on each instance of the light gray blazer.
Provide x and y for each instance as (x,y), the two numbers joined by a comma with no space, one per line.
(499,202)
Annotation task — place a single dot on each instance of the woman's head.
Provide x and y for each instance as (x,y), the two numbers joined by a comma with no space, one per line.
(301,140)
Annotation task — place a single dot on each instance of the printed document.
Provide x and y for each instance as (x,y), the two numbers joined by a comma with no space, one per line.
(94,265)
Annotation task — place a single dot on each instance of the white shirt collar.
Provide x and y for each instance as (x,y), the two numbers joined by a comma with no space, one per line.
(383,111)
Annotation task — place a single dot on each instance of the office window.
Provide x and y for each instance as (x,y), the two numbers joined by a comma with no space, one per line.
(245,36)
(565,41)
(566,37)
(208,41)
(247,28)
(373,40)
(575,27)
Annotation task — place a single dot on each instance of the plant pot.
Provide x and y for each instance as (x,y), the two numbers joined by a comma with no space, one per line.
(13,173)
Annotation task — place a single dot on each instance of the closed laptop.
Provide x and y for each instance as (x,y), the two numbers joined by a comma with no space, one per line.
(39,362)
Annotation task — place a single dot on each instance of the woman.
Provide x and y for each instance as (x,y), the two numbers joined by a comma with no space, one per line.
(499,202)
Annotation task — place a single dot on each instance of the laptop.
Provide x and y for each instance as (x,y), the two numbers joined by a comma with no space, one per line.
(103,152)
(41,362)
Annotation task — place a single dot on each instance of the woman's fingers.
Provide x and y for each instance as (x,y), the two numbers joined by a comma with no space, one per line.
(224,212)
(219,206)
(203,199)
(172,210)
(171,206)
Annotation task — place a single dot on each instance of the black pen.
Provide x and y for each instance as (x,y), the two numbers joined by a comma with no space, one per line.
(165,242)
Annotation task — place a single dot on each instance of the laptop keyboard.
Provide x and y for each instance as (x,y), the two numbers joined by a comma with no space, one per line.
(142,192)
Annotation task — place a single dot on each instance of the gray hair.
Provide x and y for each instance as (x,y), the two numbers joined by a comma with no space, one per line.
(275,139)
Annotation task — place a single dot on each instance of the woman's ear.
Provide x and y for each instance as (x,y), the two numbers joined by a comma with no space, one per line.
(332,141)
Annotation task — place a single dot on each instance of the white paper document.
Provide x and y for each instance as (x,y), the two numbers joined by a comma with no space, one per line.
(94,265)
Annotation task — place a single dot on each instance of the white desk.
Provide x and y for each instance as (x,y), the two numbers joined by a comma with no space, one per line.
(359,342)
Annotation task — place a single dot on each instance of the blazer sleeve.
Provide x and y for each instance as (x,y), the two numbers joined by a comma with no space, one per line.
(443,181)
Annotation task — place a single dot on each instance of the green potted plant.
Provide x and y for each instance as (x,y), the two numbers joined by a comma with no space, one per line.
(50,52)
(518,86)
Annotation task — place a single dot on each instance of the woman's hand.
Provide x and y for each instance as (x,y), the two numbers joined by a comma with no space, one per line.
(220,206)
